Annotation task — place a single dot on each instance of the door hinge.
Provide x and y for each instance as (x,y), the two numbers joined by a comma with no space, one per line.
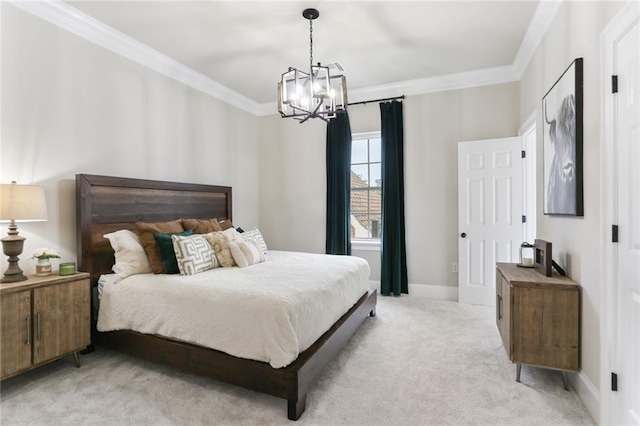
(614,84)
(614,233)
(524,219)
(614,382)
(524,154)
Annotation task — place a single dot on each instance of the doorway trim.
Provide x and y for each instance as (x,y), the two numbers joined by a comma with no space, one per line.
(629,13)
(529,174)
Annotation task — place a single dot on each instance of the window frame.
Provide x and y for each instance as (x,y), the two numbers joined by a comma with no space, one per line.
(366,244)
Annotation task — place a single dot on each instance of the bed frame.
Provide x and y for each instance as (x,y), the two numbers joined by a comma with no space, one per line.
(105,204)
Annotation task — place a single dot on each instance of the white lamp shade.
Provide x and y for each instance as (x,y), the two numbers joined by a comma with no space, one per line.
(22,203)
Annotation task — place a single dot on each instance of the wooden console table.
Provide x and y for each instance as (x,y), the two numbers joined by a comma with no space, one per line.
(538,318)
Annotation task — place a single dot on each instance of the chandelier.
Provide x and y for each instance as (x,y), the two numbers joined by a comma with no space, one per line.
(314,94)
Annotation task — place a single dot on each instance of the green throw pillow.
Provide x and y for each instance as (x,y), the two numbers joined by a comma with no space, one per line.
(167,255)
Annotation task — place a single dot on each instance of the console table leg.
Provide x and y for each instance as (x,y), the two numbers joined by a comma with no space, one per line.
(518,368)
(76,358)
(565,380)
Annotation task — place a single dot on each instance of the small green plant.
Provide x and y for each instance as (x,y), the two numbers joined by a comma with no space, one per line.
(44,253)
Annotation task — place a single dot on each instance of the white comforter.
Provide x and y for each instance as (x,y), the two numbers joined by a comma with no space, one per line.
(267,312)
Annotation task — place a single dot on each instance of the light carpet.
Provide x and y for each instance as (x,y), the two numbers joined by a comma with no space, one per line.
(418,362)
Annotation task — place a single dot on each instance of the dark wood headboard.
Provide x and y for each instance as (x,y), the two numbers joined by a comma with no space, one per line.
(105,204)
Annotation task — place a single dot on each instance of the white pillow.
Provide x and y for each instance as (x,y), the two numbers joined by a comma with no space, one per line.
(130,256)
(245,253)
(232,234)
(255,236)
(194,254)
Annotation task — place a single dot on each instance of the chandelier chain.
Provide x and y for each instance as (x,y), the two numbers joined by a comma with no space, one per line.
(310,43)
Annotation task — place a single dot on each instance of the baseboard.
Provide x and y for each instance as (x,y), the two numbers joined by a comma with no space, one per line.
(588,393)
(440,292)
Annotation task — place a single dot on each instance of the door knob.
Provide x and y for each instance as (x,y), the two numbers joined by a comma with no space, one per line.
(463,235)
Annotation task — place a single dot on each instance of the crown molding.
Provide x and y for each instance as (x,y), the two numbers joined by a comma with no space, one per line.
(268,108)
(95,31)
(89,28)
(542,18)
(442,83)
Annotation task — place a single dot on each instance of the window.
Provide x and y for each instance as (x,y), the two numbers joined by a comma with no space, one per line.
(366,186)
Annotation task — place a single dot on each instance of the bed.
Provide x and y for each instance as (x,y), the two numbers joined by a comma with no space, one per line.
(105,204)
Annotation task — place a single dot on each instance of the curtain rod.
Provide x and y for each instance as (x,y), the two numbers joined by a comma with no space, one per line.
(376,100)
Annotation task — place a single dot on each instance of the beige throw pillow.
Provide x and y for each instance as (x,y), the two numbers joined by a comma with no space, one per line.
(220,243)
(246,253)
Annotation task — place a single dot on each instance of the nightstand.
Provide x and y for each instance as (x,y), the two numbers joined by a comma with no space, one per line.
(43,319)
(538,318)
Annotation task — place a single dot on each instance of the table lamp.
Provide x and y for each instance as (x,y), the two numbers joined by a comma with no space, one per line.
(19,203)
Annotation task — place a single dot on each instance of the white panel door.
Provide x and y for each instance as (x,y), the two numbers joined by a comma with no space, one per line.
(489,214)
(628,183)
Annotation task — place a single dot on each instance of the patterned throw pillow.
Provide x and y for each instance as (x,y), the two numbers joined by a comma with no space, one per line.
(194,254)
(255,236)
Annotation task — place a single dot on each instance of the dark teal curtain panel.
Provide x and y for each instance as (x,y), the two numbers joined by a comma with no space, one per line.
(338,185)
(393,274)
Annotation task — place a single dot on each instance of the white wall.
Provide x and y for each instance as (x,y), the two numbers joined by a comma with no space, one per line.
(293,182)
(69,106)
(574,33)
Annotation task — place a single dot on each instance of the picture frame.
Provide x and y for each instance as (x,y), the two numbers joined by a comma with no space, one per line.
(562,139)
(542,257)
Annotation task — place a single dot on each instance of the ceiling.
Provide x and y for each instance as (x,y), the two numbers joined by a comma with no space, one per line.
(246,46)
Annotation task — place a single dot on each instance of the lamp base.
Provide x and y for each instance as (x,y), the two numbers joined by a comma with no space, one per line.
(12,246)
(13,278)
